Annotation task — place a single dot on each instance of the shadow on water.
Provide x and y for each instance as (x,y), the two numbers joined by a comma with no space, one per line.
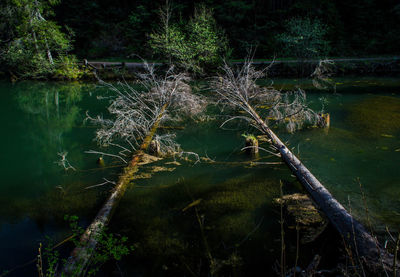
(198,224)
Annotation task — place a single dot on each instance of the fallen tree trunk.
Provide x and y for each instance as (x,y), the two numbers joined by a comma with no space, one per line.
(363,246)
(78,262)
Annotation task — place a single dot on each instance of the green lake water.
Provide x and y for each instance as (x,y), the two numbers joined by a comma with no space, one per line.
(240,223)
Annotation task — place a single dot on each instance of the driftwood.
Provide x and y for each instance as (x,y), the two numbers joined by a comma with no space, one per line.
(80,257)
(364,246)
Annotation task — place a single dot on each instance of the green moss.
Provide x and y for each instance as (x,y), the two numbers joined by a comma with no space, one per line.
(249,136)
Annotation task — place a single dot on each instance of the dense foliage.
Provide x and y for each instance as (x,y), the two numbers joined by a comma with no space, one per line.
(36,36)
(304,39)
(31,45)
(194,46)
(119,28)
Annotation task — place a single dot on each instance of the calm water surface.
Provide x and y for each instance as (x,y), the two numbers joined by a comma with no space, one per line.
(236,210)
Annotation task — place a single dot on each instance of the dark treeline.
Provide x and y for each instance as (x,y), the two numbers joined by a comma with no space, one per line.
(118,28)
(43,39)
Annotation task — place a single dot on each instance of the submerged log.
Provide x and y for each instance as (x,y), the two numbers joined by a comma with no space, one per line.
(362,244)
(301,214)
(78,262)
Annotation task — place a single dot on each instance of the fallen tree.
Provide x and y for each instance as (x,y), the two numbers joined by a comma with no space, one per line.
(137,117)
(238,90)
(80,257)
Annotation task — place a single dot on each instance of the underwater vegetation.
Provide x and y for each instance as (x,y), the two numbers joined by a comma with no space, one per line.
(376,116)
(302,215)
(52,205)
(199,226)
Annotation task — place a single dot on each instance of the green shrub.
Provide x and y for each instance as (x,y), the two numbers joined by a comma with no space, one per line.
(34,45)
(195,46)
(67,68)
(109,247)
(304,38)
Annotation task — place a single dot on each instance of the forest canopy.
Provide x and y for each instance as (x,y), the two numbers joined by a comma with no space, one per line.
(44,37)
(121,27)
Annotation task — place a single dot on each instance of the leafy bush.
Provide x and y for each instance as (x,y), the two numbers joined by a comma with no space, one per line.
(23,61)
(35,47)
(197,45)
(110,247)
(304,38)
(67,68)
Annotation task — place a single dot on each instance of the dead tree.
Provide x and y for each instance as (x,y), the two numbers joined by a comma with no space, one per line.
(321,75)
(137,115)
(36,15)
(238,90)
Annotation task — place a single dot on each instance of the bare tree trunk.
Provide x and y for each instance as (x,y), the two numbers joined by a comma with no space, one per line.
(39,16)
(49,56)
(165,17)
(365,247)
(34,35)
(80,257)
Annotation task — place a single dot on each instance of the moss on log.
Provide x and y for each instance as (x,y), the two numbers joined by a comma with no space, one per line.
(79,260)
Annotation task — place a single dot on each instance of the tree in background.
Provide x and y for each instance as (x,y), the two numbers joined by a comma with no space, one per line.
(304,39)
(119,28)
(207,42)
(33,46)
(197,45)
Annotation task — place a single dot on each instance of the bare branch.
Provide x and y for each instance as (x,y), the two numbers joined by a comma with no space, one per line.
(238,90)
(102,184)
(134,110)
(270,152)
(106,154)
(64,162)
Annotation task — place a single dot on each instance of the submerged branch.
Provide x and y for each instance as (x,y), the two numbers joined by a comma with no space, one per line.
(106,154)
(102,184)
(63,162)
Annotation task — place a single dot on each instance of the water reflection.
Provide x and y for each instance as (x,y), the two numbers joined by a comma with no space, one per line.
(53,110)
(36,186)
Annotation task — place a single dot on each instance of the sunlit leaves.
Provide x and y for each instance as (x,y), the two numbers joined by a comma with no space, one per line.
(193,46)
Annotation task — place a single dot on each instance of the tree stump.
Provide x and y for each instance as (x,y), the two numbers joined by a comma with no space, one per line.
(100,162)
(251,145)
(324,120)
(155,148)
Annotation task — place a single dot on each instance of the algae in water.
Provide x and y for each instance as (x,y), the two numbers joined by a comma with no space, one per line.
(376,116)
